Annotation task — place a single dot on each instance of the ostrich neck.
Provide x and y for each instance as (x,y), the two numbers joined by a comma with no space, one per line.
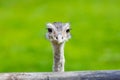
(58,57)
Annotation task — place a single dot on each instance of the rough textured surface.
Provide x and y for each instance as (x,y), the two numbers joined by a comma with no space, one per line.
(81,75)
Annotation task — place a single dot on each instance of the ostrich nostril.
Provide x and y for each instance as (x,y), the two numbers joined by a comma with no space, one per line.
(56,37)
(62,37)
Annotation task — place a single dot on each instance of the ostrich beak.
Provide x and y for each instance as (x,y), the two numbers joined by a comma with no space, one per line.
(60,38)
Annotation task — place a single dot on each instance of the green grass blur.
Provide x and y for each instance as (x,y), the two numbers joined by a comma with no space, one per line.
(95,42)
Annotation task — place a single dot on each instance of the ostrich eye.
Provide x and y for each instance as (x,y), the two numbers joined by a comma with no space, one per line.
(68,30)
(49,30)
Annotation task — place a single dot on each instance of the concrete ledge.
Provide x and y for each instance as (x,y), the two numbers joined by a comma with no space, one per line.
(79,75)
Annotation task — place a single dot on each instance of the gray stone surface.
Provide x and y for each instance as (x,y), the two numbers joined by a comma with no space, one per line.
(79,75)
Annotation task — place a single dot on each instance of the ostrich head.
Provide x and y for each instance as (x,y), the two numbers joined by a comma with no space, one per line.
(58,32)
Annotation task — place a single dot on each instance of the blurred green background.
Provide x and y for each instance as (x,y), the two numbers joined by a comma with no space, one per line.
(95,42)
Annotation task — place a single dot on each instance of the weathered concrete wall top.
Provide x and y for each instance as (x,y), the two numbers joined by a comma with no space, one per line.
(80,75)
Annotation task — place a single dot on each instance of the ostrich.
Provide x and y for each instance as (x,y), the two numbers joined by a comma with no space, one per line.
(58,33)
